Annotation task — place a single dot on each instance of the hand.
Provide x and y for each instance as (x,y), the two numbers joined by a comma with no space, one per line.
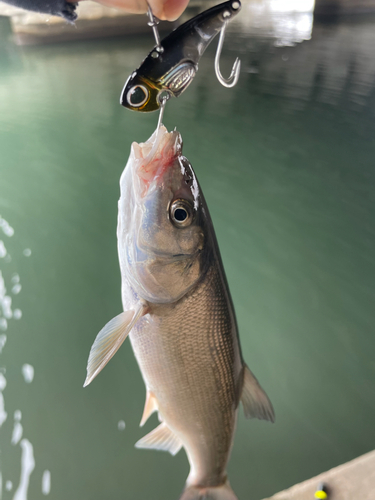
(163,9)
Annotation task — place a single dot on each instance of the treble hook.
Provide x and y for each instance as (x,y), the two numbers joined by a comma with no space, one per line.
(153,23)
(235,73)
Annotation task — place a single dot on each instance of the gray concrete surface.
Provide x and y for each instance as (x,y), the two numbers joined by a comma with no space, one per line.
(354,480)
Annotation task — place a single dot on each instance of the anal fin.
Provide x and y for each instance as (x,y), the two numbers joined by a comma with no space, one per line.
(161,438)
(151,405)
(256,403)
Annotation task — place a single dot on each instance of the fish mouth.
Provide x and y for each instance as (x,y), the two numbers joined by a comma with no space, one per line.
(153,158)
(148,252)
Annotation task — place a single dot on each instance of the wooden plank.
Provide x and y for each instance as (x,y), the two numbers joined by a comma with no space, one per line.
(354,480)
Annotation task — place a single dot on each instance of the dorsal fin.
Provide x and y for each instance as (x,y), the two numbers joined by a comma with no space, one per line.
(255,401)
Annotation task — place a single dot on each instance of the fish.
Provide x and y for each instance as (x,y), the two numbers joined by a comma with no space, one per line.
(172,66)
(179,316)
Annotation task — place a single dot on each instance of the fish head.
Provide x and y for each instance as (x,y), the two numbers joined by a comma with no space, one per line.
(161,227)
(140,94)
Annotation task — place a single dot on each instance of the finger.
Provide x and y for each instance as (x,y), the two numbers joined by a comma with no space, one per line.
(168,9)
(133,6)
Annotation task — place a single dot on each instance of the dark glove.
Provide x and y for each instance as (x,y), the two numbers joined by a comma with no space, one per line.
(60,8)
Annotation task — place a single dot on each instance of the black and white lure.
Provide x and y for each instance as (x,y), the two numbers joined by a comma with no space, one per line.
(171,66)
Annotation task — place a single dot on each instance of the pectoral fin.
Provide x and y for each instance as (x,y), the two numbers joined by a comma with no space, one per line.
(109,340)
(255,401)
(161,438)
(151,405)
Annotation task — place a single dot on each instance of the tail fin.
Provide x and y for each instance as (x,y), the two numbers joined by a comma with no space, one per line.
(223,492)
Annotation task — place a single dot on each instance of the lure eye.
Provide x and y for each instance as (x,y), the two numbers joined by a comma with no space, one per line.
(181,213)
(137,96)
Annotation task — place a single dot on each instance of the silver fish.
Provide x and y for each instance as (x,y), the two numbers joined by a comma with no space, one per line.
(179,316)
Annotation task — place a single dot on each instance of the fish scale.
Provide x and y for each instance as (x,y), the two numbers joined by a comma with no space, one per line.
(193,345)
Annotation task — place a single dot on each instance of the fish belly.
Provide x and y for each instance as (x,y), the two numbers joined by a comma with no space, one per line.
(190,360)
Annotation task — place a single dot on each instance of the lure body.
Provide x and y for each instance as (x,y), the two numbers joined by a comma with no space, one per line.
(172,67)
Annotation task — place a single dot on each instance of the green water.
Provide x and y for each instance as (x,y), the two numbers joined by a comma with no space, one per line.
(286,162)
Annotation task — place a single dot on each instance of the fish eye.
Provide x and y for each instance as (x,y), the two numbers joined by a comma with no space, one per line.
(137,96)
(181,213)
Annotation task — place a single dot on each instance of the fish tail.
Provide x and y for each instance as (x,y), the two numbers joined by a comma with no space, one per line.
(223,492)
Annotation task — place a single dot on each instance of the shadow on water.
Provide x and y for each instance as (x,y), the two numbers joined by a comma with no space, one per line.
(286,163)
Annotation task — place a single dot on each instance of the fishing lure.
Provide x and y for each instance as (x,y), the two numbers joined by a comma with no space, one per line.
(171,66)
(322,492)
